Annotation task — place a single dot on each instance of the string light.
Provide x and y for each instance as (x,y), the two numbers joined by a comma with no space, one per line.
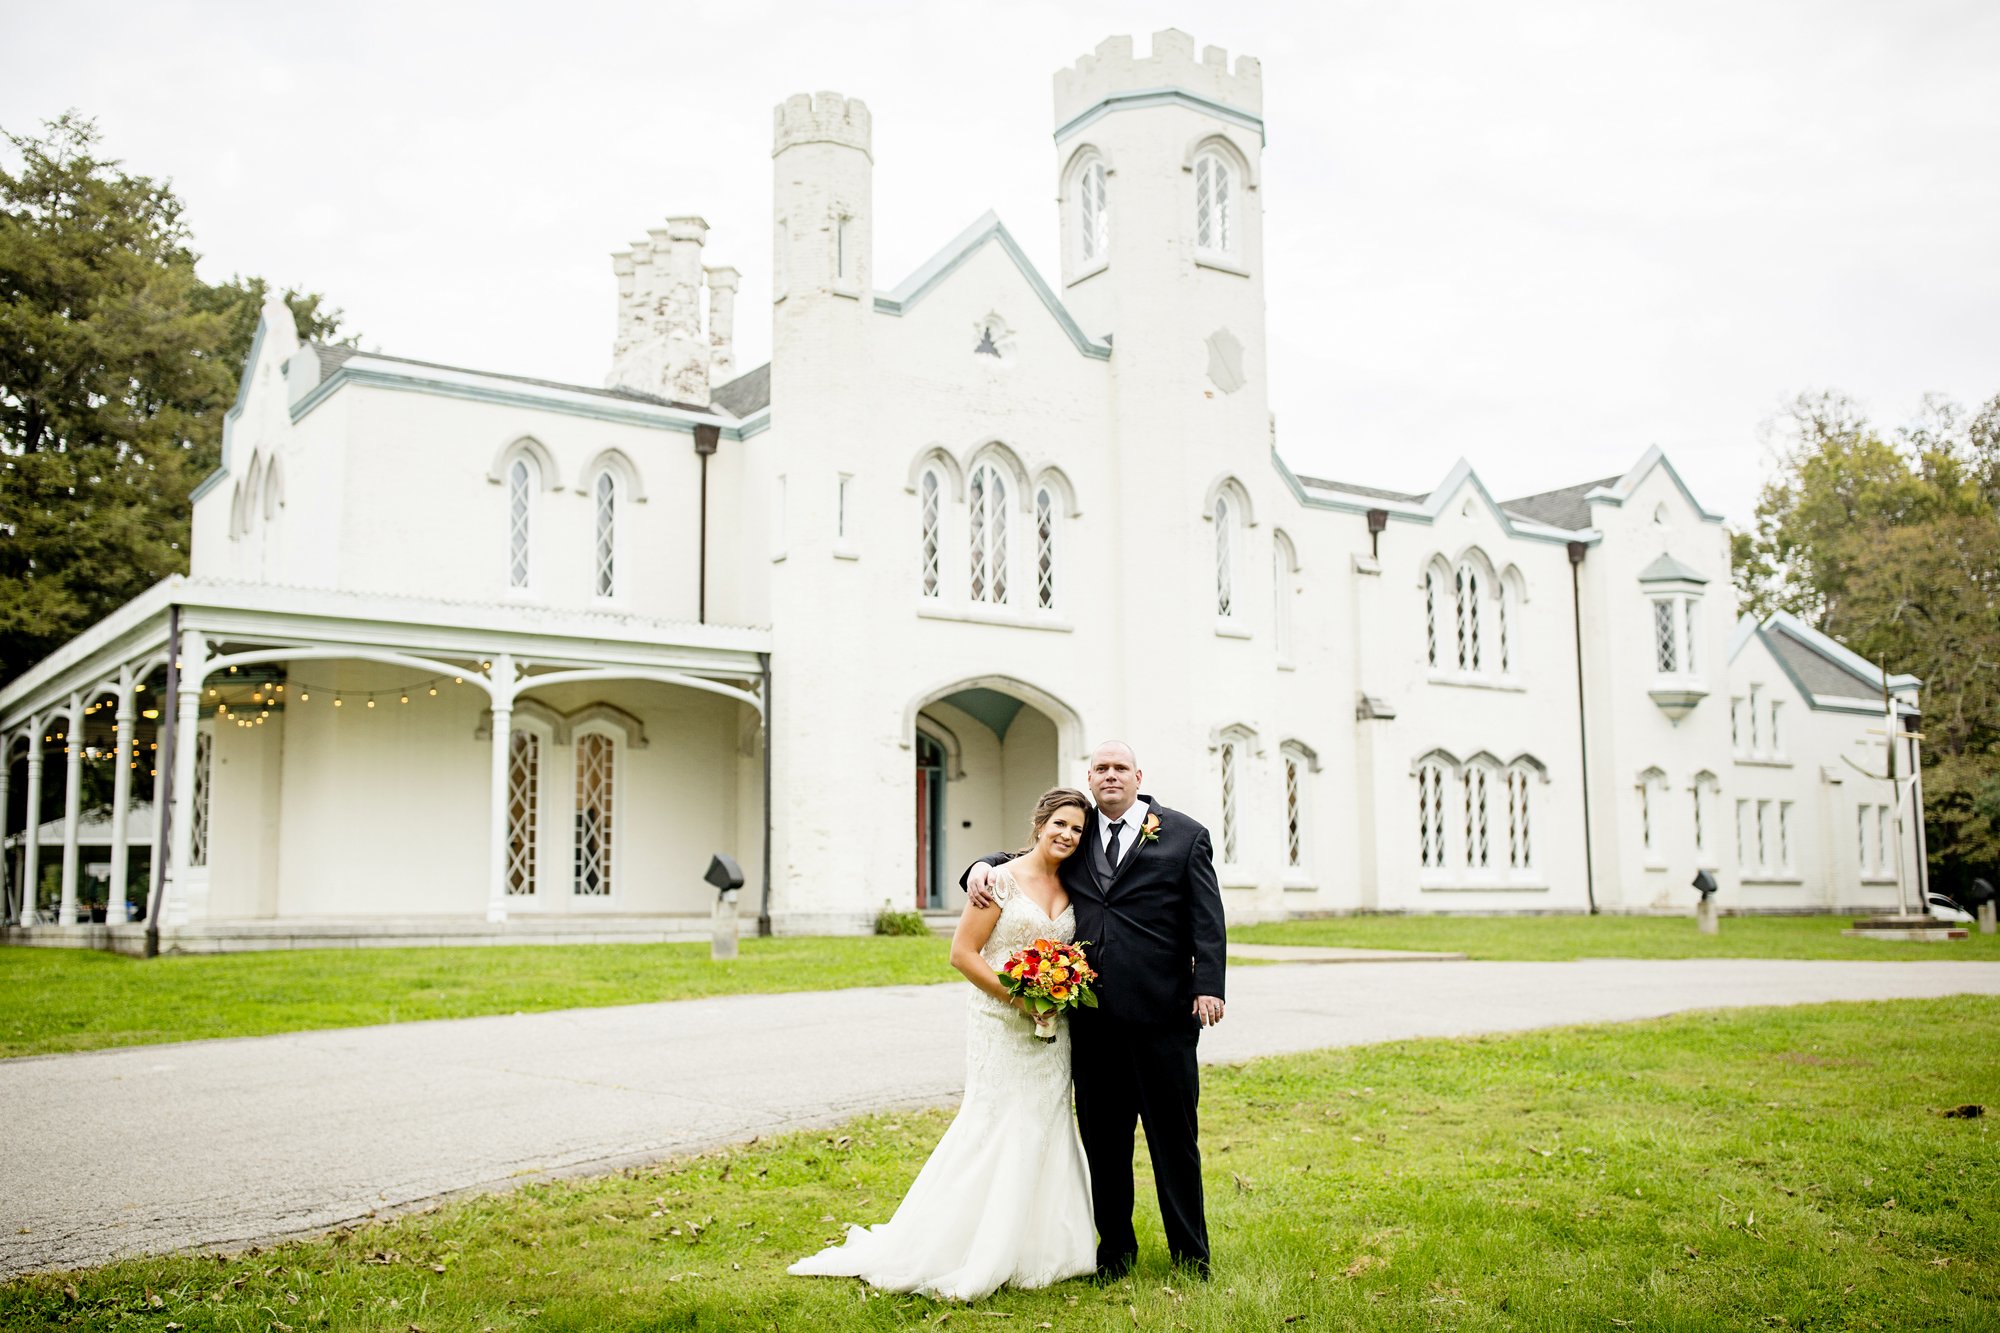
(406,698)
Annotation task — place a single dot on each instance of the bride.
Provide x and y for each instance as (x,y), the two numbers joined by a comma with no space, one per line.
(1005,1196)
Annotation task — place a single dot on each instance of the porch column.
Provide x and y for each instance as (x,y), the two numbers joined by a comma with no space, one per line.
(503,735)
(31,855)
(72,797)
(186,725)
(121,794)
(6,857)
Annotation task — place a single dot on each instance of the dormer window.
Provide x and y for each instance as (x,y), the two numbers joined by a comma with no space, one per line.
(1214,205)
(1673,592)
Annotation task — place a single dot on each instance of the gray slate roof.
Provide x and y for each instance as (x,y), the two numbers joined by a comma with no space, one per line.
(1666,569)
(1559,509)
(747,393)
(333,358)
(1819,673)
(1373,492)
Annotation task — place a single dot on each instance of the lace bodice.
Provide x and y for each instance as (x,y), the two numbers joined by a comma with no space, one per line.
(1022,921)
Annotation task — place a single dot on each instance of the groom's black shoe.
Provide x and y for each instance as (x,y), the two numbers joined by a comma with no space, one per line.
(1115,1270)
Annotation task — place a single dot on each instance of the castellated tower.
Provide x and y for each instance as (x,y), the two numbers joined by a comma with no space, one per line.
(1159,174)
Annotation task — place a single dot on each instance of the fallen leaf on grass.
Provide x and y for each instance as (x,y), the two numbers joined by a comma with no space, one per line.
(1362,1264)
(1941,1262)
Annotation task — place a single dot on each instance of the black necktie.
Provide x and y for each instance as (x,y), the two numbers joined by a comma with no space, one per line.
(1111,852)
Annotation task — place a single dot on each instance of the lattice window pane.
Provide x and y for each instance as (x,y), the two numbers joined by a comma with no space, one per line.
(1466,584)
(607,534)
(1687,643)
(1785,834)
(1763,834)
(520,512)
(1045,550)
(1742,818)
(1229,802)
(1096,216)
(996,518)
(1222,208)
(1477,853)
(1430,815)
(1777,742)
(1646,815)
(524,780)
(1861,838)
(1885,845)
(1700,827)
(931,500)
(1294,852)
(1224,594)
(1666,658)
(1520,852)
(1430,617)
(1204,208)
(976,511)
(204,760)
(595,756)
(1506,632)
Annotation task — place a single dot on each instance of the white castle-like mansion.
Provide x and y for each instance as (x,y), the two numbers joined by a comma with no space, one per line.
(464,646)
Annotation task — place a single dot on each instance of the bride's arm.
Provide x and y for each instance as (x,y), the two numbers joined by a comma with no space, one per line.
(975,927)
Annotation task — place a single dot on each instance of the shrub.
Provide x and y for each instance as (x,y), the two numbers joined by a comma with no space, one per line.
(900,923)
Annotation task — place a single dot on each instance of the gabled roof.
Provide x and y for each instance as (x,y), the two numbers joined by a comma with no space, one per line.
(1562,508)
(333,358)
(1352,488)
(968,243)
(747,393)
(1666,569)
(1827,672)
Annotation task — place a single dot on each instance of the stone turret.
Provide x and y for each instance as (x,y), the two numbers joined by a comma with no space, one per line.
(823,188)
(660,347)
(722,283)
(1112,71)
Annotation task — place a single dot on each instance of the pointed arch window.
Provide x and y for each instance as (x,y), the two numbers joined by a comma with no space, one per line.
(1430,814)
(1520,832)
(1471,648)
(930,500)
(596,772)
(1477,789)
(987,503)
(1225,541)
(204,786)
(605,495)
(1093,215)
(523,480)
(1652,813)
(1232,760)
(1045,549)
(1433,599)
(1299,763)
(1214,205)
(524,784)
(1284,591)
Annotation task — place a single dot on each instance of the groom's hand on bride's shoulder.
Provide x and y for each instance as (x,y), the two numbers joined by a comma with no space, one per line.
(978,885)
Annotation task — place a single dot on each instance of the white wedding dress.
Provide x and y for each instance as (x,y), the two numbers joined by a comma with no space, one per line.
(1005,1196)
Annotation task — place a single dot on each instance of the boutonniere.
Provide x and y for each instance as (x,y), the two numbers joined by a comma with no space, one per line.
(1150,830)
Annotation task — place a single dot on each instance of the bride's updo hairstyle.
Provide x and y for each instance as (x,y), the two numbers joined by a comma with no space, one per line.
(1054,799)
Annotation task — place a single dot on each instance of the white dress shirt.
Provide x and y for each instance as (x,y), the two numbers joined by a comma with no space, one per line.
(1133,820)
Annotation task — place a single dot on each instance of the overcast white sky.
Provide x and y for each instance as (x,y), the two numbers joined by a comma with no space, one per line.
(1539,235)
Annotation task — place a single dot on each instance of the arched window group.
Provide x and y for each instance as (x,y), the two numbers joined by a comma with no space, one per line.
(258,497)
(1475,819)
(593,740)
(1013,552)
(1471,617)
(527,476)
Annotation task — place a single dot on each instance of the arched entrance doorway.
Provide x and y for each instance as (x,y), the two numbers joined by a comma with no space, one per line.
(984,750)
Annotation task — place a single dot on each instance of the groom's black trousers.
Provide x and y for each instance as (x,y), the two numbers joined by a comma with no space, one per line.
(1126,1073)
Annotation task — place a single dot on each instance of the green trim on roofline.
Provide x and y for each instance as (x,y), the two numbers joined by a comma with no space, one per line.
(967,244)
(1431,508)
(608,410)
(214,479)
(1146,97)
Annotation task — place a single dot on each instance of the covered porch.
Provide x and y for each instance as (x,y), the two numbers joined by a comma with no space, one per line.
(342,769)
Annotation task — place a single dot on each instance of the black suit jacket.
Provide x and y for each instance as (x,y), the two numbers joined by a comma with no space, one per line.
(1154,932)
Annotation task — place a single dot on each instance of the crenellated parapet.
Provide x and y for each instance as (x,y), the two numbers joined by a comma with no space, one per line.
(1113,71)
(822,118)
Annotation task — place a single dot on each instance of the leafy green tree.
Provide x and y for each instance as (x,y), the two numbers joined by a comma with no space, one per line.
(117,363)
(1891,543)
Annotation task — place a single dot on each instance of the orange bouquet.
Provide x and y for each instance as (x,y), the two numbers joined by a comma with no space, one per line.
(1049,977)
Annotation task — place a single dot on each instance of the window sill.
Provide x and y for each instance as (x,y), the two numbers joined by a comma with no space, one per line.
(778,558)
(1287,664)
(1044,620)
(846,553)
(1225,630)
(1234,877)
(842,289)
(1779,880)
(1498,887)
(1301,886)
(1221,264)
(1879,881)
(1746,761)
(1088,273)
(1504,685)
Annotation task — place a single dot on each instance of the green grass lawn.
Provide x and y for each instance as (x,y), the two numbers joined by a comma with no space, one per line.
(55,1000)
(1779,1168)
(1559,938)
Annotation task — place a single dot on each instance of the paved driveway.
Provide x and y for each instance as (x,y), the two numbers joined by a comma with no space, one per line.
(224,1142)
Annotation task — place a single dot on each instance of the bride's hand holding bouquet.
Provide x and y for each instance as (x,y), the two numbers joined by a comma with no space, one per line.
(1047,978)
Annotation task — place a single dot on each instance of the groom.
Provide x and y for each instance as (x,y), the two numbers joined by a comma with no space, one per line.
(1143,885)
